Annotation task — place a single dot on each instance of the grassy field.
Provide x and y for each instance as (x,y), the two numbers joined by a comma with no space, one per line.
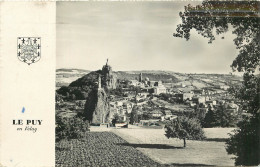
(137,146)
(99,149)
(215,133)
(154,144)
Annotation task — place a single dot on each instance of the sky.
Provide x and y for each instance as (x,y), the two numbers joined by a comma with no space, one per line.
(135,36)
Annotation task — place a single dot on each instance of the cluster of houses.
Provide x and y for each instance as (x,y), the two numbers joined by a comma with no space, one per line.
(185,96)
(154,87)
(122,108)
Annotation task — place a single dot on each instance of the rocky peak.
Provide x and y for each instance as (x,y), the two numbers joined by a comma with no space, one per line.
(97,108)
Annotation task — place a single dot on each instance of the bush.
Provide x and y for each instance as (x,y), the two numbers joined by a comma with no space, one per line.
(70,128)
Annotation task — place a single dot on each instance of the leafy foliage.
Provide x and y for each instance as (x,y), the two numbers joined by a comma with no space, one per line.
(70,128)
(217,16)
(244,18)
(165,96)
(134,115)
(245,144)
(117,119)
(224,118)
(248,93)
(220,117)
(198,113)
(63,91)
(209,120)
(184,128)
(145,116)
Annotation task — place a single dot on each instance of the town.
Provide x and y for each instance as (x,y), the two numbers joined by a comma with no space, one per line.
(153,101)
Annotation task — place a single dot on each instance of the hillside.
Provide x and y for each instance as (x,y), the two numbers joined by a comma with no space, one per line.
(152,75)
(80,88)
(78,83)
(65,76)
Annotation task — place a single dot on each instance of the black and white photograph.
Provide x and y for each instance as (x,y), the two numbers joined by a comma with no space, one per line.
(157,83)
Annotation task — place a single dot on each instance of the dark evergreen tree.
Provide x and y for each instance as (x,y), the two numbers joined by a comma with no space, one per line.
(209,120)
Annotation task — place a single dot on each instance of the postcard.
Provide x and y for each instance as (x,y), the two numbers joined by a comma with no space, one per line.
(129,83)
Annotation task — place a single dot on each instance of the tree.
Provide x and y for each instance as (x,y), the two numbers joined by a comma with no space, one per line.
(198,113)
(165,96)
(216,16)
(64,91)
(209,120)
(224,118)
(184,128)
(117,119)
(147,116)
(134,115)
(245,142)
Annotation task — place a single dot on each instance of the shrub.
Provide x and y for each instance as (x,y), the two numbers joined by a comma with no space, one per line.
(70,128)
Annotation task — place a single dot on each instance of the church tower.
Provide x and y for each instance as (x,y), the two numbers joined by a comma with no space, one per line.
(140,77)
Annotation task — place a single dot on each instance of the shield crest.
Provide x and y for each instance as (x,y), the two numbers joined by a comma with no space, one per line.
(29,49)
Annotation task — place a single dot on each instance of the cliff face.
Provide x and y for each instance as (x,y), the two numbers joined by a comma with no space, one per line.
(97,107)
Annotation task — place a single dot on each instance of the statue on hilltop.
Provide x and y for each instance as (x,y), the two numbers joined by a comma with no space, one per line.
(109,79)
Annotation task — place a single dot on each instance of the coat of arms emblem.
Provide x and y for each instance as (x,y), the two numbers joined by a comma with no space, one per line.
(29,49)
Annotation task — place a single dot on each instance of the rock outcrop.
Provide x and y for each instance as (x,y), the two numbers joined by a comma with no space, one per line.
(109,79)
(92,88)
(97,108)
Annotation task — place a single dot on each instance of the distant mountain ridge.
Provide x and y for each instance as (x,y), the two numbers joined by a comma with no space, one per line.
(71,70)
(153,75)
